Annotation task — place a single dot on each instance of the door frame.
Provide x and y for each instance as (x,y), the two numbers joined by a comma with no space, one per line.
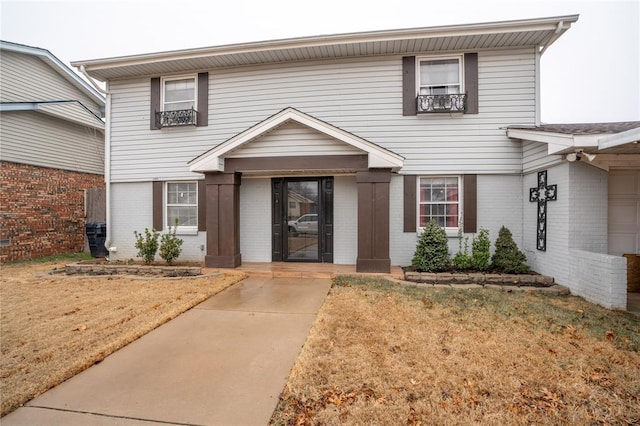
(280,225)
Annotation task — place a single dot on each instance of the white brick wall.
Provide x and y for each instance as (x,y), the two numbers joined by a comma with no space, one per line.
(599,278)
(131,210)
(255,220)
(500,204)
(588,203)
(345,217)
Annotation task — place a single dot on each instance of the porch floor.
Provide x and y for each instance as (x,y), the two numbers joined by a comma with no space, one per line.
(300,270)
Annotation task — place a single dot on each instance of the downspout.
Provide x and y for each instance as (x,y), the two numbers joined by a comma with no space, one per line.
(107,153)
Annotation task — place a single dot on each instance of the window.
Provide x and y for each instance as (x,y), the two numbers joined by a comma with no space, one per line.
(182,204)
(179,102)
(179,94)
(439,201)
(440,85)
(440,76)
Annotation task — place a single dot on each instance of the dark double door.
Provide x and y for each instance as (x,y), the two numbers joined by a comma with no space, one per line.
(302,219)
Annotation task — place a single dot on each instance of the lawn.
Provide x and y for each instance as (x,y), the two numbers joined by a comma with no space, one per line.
(380,353)
(54,326)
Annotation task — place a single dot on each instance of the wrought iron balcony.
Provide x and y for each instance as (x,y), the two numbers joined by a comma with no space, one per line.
(442,103)
(182,117)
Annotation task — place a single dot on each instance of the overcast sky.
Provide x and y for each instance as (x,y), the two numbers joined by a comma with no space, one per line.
(591,74)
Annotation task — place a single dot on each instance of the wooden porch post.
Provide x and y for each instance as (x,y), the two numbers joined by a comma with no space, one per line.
(223,220)
(373,221)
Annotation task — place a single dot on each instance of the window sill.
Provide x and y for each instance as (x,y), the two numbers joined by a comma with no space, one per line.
(184,231)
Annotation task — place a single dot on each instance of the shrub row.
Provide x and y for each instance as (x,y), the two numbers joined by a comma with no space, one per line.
(432,252)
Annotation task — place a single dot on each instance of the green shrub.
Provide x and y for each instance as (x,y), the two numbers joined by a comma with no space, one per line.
(170,245)
(481,251)
(462,259)
(507,257)
(432,251)
(147,245)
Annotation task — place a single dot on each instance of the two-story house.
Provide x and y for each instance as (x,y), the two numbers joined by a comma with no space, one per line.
(363,137)
(51,155)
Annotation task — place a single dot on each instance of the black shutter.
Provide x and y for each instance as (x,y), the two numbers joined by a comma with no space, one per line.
(471,82)
(409,105)
(158,224)
(470,201)
(203,99)
(155,103)
(410,203)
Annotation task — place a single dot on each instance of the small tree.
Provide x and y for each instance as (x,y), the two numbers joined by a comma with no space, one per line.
(507,257)
(481,251)
(462,259)
(170,245)
(432,250)
(147,245)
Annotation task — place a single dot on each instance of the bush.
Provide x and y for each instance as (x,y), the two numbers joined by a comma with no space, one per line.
(432,251)
(481,251)
(170,246)
(148,245)
(462,259)
(507,257)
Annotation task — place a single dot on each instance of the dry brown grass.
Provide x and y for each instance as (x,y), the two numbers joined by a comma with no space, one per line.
(53,327)
(383,354)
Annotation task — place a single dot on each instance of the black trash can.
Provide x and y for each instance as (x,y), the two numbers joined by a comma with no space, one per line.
(97,234)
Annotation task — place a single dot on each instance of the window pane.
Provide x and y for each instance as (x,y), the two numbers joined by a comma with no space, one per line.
(179,90)
(187,216)
(179,106)
(182,193)
(439,72)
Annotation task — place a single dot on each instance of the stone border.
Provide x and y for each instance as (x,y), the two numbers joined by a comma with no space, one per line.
(521,280)
(144,270)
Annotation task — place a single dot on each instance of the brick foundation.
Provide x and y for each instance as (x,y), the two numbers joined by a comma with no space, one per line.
(42,211)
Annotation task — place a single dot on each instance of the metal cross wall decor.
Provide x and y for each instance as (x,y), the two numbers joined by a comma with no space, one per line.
(542,194)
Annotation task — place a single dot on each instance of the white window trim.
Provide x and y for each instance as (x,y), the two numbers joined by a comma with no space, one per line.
(460,59)
(163,80)
(451,232)
(180,230)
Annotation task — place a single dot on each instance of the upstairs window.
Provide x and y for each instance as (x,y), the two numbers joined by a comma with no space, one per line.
(439,201)
(179,100)
(182,204)
(440,85)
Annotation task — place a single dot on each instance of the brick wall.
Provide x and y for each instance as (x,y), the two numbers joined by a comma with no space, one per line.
(41,211)
(599,278)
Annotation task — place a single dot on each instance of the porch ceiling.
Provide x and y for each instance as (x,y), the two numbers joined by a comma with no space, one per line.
(540,33)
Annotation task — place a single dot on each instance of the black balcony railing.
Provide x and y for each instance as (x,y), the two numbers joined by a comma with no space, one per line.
(182,117)
(442,103)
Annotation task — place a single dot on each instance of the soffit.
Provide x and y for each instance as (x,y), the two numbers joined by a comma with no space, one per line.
(523,33)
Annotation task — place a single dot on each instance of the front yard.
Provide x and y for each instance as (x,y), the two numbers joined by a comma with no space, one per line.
(383,354)
(53,327)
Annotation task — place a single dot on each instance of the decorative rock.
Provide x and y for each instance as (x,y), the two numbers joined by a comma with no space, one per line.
(493,278)
(466,286)
(429,278)
(544,280)
(477,278)
(445,278)
(527,280)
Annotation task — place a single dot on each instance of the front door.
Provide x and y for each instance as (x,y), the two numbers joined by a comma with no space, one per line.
(302,219)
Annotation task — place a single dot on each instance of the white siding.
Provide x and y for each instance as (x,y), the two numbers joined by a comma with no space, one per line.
(402,244)
(535,157)
(293,139)
(26,78)
(132,210)
(362,96)
(255,220)
(35,138)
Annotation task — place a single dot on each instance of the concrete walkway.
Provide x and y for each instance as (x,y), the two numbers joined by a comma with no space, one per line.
(224,362)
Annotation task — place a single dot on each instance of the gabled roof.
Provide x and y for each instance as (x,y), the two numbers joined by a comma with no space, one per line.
(539,33)
(57,65)
(213,160)
(609,138)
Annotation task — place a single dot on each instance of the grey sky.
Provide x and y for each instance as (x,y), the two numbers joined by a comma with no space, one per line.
(591,74)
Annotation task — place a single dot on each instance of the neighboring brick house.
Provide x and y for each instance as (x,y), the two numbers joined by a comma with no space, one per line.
(52,137)
(378,132)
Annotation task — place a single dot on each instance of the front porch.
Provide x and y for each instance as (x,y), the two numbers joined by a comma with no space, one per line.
(300,270)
